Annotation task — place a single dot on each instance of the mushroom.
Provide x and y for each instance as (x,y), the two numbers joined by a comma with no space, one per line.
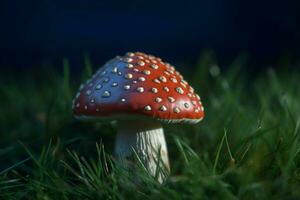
(141,92)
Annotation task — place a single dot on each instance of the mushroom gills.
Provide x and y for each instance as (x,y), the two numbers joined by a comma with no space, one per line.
(147,141)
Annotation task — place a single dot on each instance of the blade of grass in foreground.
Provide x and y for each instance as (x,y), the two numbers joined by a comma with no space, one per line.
(219,152)
(14,166)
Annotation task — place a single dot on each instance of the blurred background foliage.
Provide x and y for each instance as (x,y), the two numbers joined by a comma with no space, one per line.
(35,33)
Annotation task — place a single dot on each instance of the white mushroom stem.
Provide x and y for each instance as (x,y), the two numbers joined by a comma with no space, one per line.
(145,141)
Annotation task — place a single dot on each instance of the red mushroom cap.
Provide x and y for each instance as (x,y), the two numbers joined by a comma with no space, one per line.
(137,85)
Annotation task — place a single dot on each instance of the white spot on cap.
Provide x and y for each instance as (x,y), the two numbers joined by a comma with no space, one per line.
(106,94)
(171,99)
(88,92)
(151,57)
(115,84)
(141,63)
(98,87)
(176,110)
(163,108)
(194,103)
(158,99)
(129,65)
(198,97)
(167,73)
(81,87)
(191,89)
(146,72)
(170,71)
(126,87)
(183,84)
(154,90)
(77,105)
(123,100)
(114,70)
(103,73)
(85,107)
(128,76)
(163,79)
(156,81)
(130,54)
(92,100)
(174,80)
(141,79)
(179,90)
(148,108)
(88,81)
(77,95)
(166,89)
(135,69)
(105,80)
(128,59)
(141,57)
(154,66)
(140,89)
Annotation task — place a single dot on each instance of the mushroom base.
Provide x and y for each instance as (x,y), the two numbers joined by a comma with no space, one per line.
(143,141)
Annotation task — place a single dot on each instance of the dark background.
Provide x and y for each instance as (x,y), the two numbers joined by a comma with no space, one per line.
(41,31)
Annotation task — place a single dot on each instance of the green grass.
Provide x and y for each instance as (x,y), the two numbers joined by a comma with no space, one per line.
(247,147)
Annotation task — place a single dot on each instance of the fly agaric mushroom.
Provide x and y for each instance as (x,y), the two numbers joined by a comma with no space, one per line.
(140,91)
